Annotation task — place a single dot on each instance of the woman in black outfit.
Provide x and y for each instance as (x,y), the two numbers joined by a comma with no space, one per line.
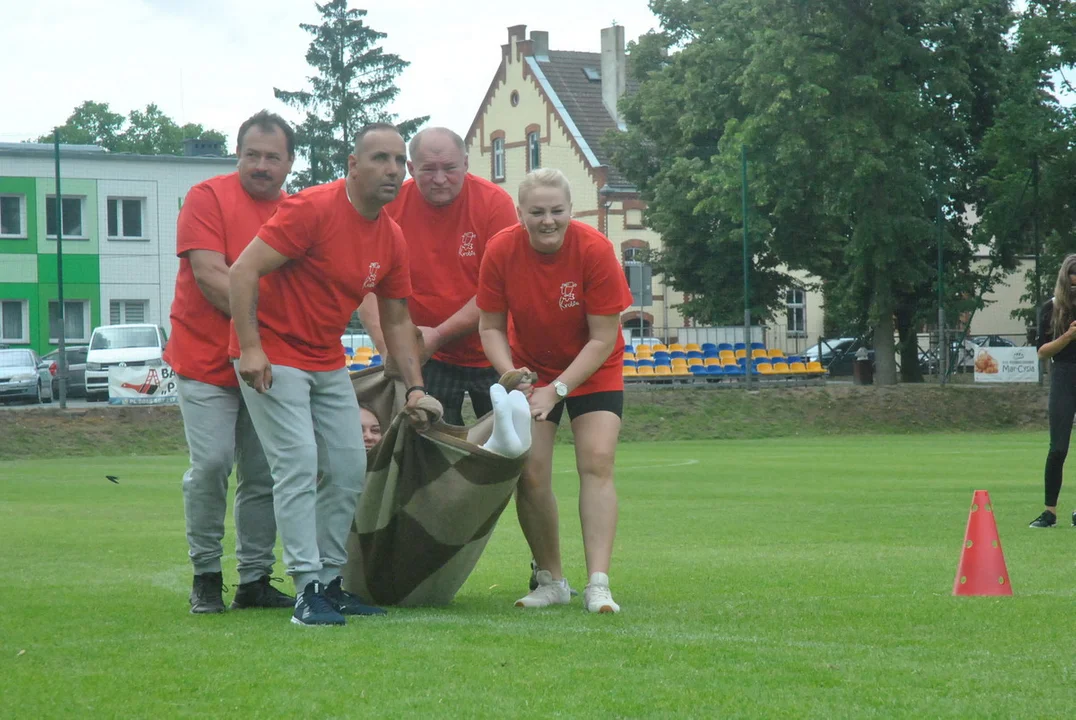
(1057,330)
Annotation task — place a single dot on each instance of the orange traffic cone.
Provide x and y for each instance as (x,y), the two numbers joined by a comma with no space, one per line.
(982,564)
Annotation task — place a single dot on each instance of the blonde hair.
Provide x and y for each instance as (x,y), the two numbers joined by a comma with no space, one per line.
(1064,297)
(545,177)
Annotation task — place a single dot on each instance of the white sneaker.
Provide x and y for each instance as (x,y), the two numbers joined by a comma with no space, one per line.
(597,597)
(549,592)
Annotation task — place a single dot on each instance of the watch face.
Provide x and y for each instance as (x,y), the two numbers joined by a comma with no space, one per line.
(561,388)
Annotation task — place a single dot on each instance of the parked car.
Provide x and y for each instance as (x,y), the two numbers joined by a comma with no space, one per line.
(76,370)
(837,355)
(136,345)
(991,341)
(24,377)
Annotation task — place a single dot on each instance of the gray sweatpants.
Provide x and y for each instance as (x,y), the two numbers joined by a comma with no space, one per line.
(220,434)
(309,423)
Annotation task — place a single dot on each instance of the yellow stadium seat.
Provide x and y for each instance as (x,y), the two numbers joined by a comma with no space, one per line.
(781,367)
(758,354)
(679,363)
(797,367)
(629,355)
(642,348)
(692,347)
(711,361)
(643,356)
(692,362)
(676,347)
(777,353)
(663,370)
(659,347)
(764,369)
(681,370)
(815,367)
(727,355)
(741,353)
(629,371)
(645,370)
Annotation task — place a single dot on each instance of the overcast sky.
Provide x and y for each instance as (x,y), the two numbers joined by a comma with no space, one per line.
(216,61)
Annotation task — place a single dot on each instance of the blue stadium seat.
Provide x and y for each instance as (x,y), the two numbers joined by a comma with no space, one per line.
(724,346)
(793,358)
(630,363)
(349,351)
(711,353)
(710,346)
(661,355)
(659,362)
(731,369)
(697,370)
(678,354)
(357,366)
(715,370)
(629,348)
(644,363)
(758,346)
(694,354)
(375,360)
(739,346)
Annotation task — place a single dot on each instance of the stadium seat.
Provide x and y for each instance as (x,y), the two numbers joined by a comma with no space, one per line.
(645,370)
(797,368)
(715,370)
(697,370)
(629,371)
(679,362)
(726,354)
(694,362)
(629,349)
(724,346)
(758,353)
(680,370)
(707,346)
(739,346)
(629,355)
(815,367)
(793,358)
(781,368)
(646,362)
(663,370)
(758,346)
(694,354)
(642,348)
(732,370)
(710,354)
(695,346)
(776,353)
(764,368)
(741,353)
(375,360)
(663,362)
(629,363)
(676,347)
(661,355)
(357,366)
(709,362)
(349,351)
(678,354)
(659,347)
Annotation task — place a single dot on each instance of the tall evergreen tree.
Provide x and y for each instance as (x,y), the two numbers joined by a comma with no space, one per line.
(353,83)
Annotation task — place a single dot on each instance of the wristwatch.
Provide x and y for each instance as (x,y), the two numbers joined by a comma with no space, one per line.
(561,388)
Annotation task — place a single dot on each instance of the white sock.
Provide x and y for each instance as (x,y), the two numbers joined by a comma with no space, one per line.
(521,418)
(503,440)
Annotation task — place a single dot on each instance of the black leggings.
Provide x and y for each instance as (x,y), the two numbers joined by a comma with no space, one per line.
(1062,408)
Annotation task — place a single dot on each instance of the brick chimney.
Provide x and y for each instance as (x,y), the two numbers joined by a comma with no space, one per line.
(614,69)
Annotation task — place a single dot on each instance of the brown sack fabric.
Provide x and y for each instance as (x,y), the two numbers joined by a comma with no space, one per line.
(430,504)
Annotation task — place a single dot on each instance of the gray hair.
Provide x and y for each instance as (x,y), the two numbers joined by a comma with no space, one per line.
(416,141)
(545,177)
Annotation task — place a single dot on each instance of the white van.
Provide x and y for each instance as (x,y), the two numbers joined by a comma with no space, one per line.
(136,345)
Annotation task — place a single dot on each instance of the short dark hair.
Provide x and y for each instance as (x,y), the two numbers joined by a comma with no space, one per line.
(373,127)
(268,122)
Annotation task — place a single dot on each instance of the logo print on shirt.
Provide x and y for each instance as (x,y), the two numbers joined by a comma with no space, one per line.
(371,279)
(567,295)
(467,244)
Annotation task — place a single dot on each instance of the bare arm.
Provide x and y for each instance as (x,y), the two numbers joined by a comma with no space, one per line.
(211,274)
(371,322)
(257,260)
(493,329)
(1048,350)
(400,339)
(463,322)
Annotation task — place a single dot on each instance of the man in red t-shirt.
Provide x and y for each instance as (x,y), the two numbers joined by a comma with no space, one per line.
(447,216)
(292,293)
(219,218)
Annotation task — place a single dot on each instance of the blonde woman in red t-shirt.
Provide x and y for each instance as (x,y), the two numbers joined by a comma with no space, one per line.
(564,286)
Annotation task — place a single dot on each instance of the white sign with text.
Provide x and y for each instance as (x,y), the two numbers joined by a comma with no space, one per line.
(1007,365)
(142,385)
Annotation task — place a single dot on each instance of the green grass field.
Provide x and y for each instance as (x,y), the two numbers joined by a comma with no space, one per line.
(769,578)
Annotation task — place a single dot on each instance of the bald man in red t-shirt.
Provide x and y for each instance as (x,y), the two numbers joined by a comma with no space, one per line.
(292,293)
(447,216)
(219,218)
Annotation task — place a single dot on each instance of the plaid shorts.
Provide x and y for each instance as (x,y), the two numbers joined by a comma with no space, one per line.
(447,383)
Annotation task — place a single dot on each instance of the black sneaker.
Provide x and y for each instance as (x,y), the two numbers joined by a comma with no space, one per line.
(206,594)
(346,603)
(260,594)
(1074,519)
(313,608)
(1046,520)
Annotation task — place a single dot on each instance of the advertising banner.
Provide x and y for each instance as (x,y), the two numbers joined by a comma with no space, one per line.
(142,385)
(1007,365)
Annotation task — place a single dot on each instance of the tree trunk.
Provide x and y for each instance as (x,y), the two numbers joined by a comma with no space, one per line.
(909,345)
(885,361)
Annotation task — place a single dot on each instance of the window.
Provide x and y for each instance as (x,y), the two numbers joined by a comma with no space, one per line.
(498,158)
(125,218)
(12,216)
(76,321)
(635,254)
(123,312)
(796,306)
(534,151)
(14,321)
(72,216)
(639,277)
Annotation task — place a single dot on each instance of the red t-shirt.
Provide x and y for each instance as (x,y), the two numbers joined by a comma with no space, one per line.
(217,215)
(337,256)
(446,245)
(549,298)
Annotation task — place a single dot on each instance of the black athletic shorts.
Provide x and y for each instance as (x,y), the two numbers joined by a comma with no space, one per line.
(611,401)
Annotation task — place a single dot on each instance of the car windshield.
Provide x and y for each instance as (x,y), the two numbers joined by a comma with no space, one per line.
(120,337)
(16,358)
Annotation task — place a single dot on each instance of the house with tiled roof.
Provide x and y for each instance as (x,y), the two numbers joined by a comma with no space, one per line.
(550,108)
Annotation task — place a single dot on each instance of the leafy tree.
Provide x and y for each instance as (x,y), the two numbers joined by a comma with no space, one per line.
(352,85)
(145,132)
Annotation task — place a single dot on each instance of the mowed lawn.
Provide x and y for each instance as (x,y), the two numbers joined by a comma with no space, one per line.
(774,578)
